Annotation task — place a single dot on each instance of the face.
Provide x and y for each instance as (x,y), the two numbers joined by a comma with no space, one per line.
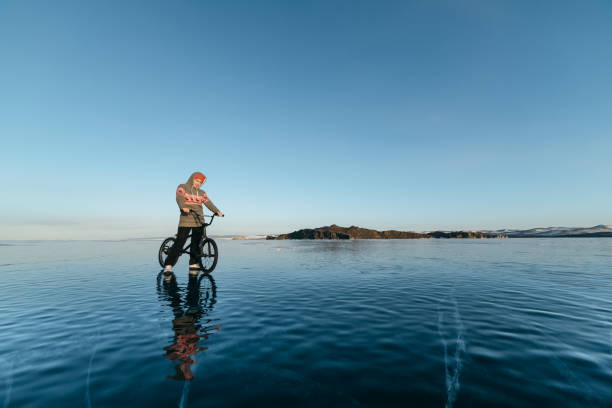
(198,182)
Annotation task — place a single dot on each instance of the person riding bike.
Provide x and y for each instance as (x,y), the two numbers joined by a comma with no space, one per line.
(190,198)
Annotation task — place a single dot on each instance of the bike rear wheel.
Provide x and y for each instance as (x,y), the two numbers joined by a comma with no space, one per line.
(164,249)
(209,255)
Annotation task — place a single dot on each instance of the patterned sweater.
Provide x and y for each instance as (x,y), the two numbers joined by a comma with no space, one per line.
(187,196)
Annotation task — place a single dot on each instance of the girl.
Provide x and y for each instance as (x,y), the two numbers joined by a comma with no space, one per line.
(190,198)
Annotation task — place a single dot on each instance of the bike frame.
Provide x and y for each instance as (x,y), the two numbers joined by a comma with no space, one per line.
(187,249)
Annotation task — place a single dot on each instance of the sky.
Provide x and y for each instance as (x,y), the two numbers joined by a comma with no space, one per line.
(408,115)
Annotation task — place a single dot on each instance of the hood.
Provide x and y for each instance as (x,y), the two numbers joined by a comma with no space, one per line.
(190,179)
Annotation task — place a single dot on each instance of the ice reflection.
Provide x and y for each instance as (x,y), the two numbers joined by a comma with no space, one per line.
(188,327)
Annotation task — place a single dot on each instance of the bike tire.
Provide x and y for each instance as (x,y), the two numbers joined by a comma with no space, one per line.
(209,255)
(164,248)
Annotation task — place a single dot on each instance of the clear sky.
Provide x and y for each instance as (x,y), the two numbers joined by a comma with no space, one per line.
(412,115)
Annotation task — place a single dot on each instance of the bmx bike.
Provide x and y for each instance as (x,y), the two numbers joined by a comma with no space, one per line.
(206,248)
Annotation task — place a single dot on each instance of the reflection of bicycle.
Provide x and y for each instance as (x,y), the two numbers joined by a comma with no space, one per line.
(201,292)
(207,248)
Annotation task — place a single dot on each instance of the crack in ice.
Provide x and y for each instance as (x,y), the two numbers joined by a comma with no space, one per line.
(9,384)
(451,376)
(184,395)
(88,382)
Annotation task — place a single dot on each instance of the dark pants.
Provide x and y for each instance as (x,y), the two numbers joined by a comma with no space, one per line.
(177,248)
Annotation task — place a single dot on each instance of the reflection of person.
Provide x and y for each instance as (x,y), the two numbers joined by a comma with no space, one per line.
(188,332)
(190,198)
(182,350)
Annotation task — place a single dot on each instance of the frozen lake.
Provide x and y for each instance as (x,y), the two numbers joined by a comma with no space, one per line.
(464,323)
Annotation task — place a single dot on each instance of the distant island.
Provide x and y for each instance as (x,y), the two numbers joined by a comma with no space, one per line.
(336,232)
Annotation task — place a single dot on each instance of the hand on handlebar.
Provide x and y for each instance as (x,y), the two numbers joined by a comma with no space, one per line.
(220,214)
(185,210)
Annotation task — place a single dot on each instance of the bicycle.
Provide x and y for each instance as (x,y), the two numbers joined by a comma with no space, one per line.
(207,248)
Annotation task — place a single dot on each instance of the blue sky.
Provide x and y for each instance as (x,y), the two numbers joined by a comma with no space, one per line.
(412,115)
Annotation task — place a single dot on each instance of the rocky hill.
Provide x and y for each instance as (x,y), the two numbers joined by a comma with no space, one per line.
(336,232)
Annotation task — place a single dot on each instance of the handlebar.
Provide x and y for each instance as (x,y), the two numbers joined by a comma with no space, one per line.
(196,215)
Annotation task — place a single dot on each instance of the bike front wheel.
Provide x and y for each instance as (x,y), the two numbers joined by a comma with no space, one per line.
(164,249)
(209,255)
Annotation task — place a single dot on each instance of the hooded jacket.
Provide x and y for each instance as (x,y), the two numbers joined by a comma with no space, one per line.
(187,196)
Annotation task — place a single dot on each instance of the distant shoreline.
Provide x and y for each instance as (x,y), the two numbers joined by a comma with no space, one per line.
(335,232)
